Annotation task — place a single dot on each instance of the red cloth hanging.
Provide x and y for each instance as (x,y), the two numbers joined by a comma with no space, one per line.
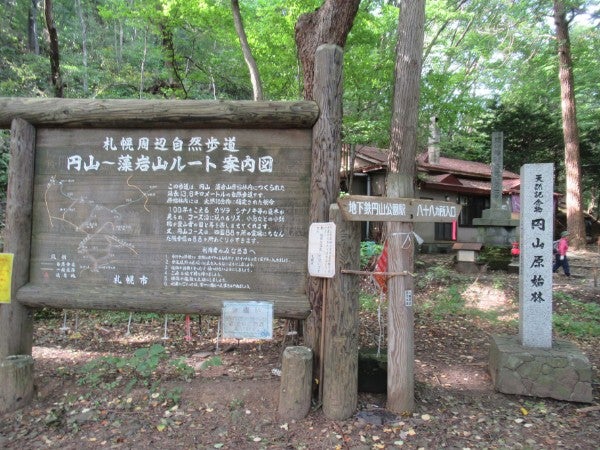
(381,266)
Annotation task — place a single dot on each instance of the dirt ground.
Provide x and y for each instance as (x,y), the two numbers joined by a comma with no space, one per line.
(231,401)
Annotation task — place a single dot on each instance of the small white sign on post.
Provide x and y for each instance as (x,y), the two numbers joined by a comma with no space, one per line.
(248,320)
(321,250)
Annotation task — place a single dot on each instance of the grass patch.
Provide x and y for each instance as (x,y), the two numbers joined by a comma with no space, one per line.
(447,302)
(368,302)
(145,367)
(439,275)
(369,252)
(576,318)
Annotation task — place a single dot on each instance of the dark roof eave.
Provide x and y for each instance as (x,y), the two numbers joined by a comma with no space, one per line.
(453,188)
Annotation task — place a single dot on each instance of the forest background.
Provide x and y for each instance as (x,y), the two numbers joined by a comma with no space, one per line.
(488,65)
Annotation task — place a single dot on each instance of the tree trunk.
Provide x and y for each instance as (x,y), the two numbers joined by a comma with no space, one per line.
(330,24)
(84,53)
(33,44)
(250,61)
(400,183)
(170,59)
(57,81)
(575,224)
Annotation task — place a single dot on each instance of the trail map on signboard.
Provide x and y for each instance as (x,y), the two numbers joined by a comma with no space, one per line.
(178,208)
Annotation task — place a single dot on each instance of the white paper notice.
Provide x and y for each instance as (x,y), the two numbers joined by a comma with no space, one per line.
(321,250)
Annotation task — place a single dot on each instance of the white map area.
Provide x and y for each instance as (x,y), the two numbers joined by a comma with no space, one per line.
(101,229)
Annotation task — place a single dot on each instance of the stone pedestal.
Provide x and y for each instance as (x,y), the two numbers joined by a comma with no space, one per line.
(561,372)
(497,227)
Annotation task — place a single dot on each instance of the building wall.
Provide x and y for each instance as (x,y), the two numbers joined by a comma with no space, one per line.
(374,184)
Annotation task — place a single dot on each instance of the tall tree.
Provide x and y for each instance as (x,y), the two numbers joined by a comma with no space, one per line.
(84,52)
(400,183)
(55,75)
(32,42)
(329,24)
(575,223)
(250,61)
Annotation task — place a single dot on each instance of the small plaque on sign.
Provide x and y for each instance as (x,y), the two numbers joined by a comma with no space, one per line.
(248,320)
(6,264)
(321,250)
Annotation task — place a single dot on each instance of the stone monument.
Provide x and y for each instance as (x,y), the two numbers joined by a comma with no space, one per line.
(532,363)
(497,227)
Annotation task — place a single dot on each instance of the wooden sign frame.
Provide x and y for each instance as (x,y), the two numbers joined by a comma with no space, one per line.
(102,233)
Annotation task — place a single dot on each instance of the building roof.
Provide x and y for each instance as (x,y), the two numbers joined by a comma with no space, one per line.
(460,167)
(449,174)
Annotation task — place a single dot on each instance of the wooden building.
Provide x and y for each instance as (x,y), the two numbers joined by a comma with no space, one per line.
(438,178)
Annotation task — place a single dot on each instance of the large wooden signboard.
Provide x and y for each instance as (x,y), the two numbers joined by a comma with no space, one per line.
(170,219)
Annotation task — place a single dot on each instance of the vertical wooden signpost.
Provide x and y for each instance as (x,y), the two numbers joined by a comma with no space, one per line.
(405,211)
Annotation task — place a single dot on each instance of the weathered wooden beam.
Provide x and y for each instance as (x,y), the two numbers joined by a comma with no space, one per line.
(122,113)
(167,300)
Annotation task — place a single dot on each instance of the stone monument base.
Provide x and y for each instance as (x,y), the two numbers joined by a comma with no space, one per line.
(561,372)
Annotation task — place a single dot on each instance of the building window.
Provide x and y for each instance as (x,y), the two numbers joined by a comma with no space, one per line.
(443,231)
(472,208)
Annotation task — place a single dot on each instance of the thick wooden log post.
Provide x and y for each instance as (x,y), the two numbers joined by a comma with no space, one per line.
(16,322)
(325,182)
(16,387)
(296,383)
(340,381)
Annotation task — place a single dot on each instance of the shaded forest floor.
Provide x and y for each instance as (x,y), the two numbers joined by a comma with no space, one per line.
(198,396)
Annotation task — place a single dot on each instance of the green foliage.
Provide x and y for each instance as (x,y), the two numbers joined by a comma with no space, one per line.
(496,257)
(368,302)
(446,302)
(439,275)
(4,160)
(182,368)
(111,372)
(369,251)
(215,361)
(579,319)
(488,66)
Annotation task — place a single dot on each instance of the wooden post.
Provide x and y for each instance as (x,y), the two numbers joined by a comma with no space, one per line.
(340,335)
(296,383)
(325,182)
(16,322)
(400,183)
(400,367)
(16,388)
